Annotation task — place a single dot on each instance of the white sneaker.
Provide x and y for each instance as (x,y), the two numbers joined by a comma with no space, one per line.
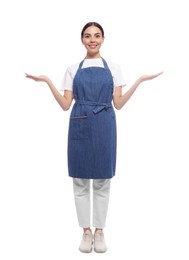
(86,242)
(99,242)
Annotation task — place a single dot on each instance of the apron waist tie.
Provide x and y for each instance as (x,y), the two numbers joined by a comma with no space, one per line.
(98,106)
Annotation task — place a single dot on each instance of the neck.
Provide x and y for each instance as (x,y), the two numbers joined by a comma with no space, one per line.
(93,56)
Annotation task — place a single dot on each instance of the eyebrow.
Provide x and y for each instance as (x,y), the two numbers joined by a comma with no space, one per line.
(88,34)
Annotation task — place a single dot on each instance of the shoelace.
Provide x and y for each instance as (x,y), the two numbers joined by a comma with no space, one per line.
(87,237)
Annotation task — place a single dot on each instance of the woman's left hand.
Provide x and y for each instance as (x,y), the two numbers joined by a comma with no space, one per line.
(150,76)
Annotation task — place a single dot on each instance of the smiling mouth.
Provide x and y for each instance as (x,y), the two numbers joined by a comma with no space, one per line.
(92,46)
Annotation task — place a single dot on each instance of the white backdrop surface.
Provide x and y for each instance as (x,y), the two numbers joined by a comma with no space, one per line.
(148,213)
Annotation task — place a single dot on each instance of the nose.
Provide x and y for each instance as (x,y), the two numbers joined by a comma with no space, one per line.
(92,39)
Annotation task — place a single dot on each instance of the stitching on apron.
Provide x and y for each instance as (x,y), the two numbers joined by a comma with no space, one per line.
(78,117)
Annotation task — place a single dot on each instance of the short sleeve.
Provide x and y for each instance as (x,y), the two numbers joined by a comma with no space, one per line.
(118,77)
(67,81)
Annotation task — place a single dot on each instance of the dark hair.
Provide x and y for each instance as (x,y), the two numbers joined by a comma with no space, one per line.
(92,24)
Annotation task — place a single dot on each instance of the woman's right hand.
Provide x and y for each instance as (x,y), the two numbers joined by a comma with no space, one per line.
(42,78)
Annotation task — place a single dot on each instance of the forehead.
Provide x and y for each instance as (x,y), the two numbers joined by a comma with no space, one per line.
(92,30)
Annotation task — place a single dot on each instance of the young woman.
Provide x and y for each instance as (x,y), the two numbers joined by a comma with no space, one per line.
(95,85)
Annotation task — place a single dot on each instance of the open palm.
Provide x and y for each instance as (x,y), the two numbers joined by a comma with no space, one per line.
(37,78)
(150,76)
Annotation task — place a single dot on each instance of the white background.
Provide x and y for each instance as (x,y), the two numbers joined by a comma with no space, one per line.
(148,213)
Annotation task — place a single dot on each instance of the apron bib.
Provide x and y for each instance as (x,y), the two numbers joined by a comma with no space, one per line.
(92,125)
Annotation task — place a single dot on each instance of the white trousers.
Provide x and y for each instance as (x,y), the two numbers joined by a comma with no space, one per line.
(100,199)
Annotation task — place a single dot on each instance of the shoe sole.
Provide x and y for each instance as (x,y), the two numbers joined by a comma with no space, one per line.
(97,251)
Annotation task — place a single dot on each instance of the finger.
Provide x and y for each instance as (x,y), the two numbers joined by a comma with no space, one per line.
(158,74)
(28,75)
(31,77)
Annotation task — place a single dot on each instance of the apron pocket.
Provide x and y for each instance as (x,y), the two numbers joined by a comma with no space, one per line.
(79,127)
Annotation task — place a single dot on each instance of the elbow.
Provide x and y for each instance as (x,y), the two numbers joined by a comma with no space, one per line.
(118,106)
(66,105)
(65,108)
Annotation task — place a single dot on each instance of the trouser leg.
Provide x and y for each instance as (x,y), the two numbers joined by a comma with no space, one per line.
(101,192)
(81,188)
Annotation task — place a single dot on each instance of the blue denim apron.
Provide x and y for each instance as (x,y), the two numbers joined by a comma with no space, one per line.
(92,125)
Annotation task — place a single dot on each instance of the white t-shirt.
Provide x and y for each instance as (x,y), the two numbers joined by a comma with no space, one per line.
(67,83)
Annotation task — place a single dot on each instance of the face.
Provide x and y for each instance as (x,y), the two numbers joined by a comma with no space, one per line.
(92,40)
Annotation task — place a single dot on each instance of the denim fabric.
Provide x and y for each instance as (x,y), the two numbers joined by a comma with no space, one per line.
(92,125)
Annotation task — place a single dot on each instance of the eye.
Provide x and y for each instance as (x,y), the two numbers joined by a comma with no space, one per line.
(86,36)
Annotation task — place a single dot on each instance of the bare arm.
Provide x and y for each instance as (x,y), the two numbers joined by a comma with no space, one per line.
(120,99)
(64,101)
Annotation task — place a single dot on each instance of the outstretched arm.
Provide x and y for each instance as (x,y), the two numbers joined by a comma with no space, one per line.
(120,99)
(64,101)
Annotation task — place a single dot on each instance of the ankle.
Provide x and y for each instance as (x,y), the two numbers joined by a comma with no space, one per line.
(88,228)
(98,229)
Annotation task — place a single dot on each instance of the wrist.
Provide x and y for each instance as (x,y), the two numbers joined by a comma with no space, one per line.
(48,81)
(138,82)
